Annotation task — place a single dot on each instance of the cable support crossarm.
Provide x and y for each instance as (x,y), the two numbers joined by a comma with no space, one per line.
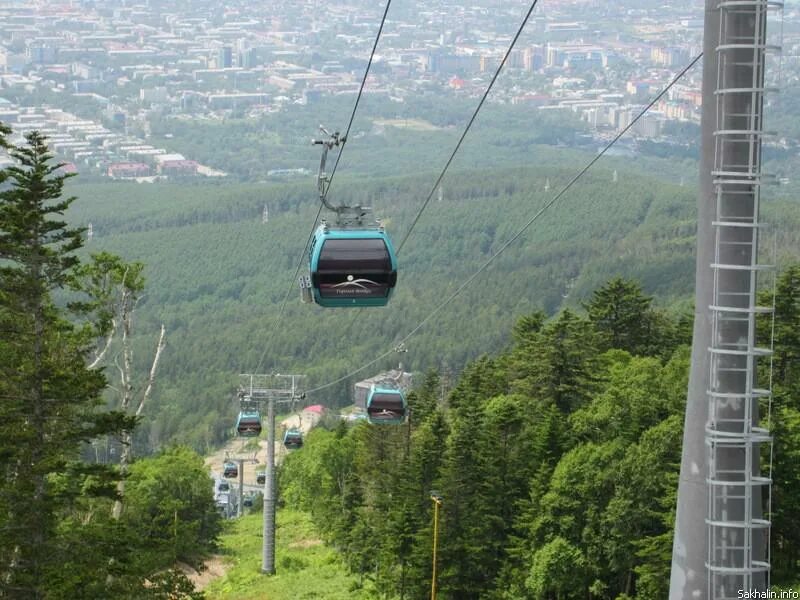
(323,199)
(469,126)
(519,233)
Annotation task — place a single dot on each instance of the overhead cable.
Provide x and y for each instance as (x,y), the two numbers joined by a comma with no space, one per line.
(458,145)
(330,181)
(468,127)
(517,235)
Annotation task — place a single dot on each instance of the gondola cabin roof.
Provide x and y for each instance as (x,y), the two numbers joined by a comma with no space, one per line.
(352,267)
(401,380)
(386,406)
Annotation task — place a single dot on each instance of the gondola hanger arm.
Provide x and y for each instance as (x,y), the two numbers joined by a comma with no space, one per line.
(323,180)
(345,215)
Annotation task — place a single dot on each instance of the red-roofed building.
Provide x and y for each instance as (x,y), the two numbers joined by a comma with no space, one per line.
(124,170)
(456,83)
(178,167)
(315,408)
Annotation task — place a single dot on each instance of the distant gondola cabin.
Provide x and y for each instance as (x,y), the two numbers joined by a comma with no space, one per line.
(386,406)
(230,469)
(352,267)
(261,477)
(293,439)
(248,424)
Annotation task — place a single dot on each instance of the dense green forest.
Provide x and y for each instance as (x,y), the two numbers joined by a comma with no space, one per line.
(65,532)
(216,276)
(557,461)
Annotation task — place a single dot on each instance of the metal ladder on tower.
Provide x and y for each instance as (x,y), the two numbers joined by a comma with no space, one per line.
(737,526)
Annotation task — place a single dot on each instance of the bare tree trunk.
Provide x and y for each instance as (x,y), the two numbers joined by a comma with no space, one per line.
(153,369)
(125,376)
(119,308)
(126,389)
(99,356)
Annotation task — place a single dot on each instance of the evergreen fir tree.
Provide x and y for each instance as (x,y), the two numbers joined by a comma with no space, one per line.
(423,400)
(466,548)
(563,363)
(786,361)
(785,420)
(419,477)
(4,131)
(623,317)
(49,397)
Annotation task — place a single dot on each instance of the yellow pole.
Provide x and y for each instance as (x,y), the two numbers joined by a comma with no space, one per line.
(436,504)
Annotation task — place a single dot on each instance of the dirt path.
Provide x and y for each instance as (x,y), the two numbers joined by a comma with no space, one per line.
(213,567)
(255,459)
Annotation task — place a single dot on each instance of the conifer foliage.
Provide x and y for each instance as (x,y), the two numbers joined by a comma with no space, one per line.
(557,462)
(49,396)
(57,539)
(625,319)
(785,419)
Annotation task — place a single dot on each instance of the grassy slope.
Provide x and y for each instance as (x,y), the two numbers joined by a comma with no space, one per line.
(305,568)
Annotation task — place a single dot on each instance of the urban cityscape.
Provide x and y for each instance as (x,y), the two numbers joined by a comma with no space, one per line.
(93,76)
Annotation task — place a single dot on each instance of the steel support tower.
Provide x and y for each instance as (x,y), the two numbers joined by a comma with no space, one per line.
(721,544)
(270,389)
(240,500)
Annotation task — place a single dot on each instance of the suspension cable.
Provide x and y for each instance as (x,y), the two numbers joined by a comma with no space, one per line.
(468,127)
(330,181)
(458,145)
(519,233)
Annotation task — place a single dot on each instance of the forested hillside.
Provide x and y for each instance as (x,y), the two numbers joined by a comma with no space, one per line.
(556,462)
(216,274)
(555,454)
(396,137)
